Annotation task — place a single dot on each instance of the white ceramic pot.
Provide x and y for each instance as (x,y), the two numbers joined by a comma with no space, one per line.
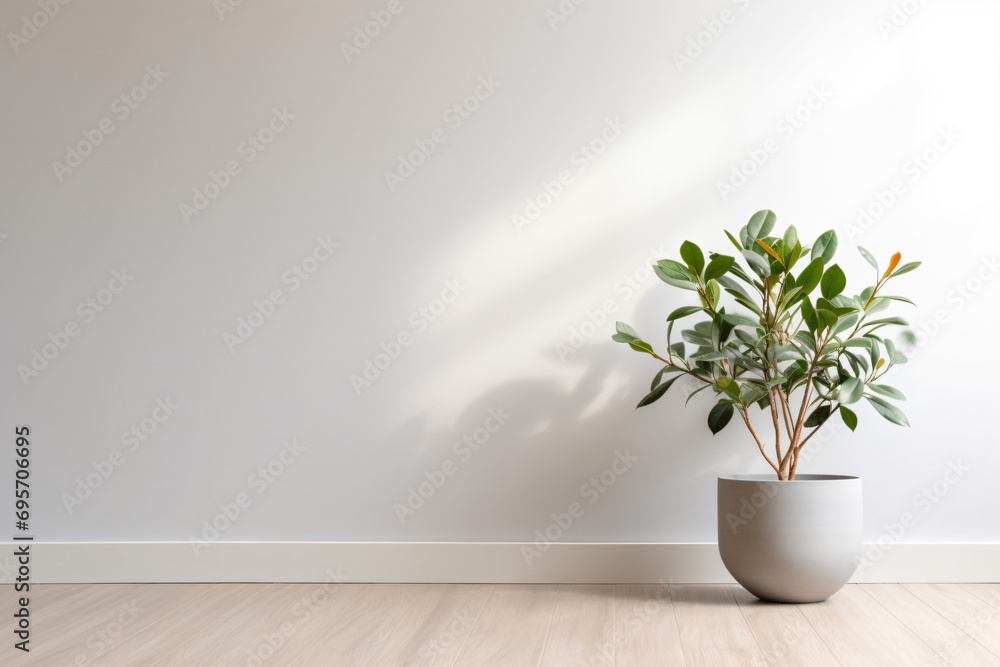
(790,541)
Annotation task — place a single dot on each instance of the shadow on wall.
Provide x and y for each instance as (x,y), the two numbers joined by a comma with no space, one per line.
(530,448)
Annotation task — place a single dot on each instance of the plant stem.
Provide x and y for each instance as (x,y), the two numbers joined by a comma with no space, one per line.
(777,426)
(786,411)
(746,420)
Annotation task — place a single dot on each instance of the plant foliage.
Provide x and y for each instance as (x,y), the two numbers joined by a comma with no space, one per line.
(797,346)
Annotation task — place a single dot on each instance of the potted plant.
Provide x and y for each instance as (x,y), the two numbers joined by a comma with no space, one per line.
(800,356)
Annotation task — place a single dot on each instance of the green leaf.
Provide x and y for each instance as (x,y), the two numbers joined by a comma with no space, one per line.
(905,268)
(736,319)
(710,356)
(806,339)
(736,243)
(888,410)
(718,266)
(729,386)
(659,375)
(839,311)
(790,238)
(665,277)
(845,324)
(655,395)
(888,320)
(834,281)
(757,262)
(626,330)
(850,391)
(720,416)
(641,346)
(810,276)
(897,298)
(713,292)
(809,315)
(675,269)
(692,254)
(677,349)
(684,311)
(745,302)
(695,338)
(870,258)
(752,394)
(825,246)
(760,224)
(886,390)
(849,418)
(818,416)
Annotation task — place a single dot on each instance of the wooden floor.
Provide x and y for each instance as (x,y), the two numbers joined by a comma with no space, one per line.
(409,624)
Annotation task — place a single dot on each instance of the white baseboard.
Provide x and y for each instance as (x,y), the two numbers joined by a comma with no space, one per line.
(455,562)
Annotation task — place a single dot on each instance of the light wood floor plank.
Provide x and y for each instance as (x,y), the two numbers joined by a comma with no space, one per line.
(583,627)
(783,633)
(175,617)
(988,593)
(434,630)
(92,620)
(646,627)
(361,630)
(512,628)
(326,625)
(712,629)
(862,633)
(951,644)
(266,625)
(974,616)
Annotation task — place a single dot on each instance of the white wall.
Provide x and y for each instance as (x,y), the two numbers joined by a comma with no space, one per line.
(495,346)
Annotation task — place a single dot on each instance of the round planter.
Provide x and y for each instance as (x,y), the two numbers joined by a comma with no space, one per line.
(790,541)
